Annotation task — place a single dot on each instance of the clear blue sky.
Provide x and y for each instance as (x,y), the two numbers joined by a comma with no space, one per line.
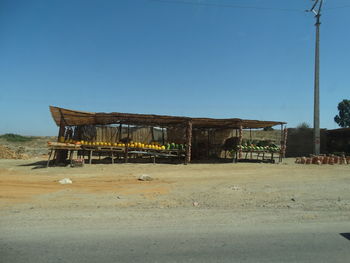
(142,56)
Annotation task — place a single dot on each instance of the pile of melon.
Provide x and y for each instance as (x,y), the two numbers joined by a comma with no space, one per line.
(153,145)
(137,145)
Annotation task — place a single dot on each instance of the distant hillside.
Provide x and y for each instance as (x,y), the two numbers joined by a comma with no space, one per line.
(10,137)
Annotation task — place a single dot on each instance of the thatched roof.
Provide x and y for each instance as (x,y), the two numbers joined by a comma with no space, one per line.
(75,118)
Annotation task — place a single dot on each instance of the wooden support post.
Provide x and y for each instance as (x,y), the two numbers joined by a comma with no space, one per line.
(281,144)
(163,138)
(126,156)
(235,155)
(152,133)
(128,133)
(112,156)
(62,129)
(61,155)
(188,142)
(120,132)
(71,152)
(285,142)
(240,138)
(208,143)
(90,157)
(281,138)
(54,155)
(284,145)
(48,160)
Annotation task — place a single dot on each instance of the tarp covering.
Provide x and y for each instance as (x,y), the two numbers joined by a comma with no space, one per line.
(76,118)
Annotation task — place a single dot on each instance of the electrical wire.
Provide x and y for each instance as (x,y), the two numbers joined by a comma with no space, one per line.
(227,5)
(337,7)
(241,6)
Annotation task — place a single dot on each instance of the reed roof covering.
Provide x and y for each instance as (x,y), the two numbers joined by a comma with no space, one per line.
(76,118)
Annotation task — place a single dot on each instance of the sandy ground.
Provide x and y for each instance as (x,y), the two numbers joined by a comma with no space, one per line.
(309,191)
(187,213)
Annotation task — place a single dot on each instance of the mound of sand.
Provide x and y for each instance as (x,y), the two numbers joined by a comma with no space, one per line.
(7,153)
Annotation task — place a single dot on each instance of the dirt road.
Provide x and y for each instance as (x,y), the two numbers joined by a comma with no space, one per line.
(24,183)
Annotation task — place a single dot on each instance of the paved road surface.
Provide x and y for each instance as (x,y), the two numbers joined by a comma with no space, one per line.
(309,242)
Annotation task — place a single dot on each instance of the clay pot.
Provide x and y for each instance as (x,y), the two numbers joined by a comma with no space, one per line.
(325,160)
(336,159)
(331,160)
(303,160)
(342,160)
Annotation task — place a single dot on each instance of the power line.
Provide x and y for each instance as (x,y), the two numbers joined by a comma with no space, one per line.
(241,6)
(227,5)
(337,7)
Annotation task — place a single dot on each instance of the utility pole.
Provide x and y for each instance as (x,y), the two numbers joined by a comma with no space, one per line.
(316,9)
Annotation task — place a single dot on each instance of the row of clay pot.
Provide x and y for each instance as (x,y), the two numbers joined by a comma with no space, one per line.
(323,160)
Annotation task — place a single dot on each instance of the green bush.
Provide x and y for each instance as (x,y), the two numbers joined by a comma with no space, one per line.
(10,137)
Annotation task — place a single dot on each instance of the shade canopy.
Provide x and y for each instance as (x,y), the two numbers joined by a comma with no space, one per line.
(75,118)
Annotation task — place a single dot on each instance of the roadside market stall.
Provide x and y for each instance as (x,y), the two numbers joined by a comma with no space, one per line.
(124,136)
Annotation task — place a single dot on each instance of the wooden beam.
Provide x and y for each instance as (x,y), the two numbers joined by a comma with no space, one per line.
(281,143)
(240,138)
(127,146)
(188,142)
(284,148)
(48,160)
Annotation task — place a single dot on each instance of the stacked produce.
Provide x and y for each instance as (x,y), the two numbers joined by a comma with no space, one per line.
(175,146)
(139,145)
(252,147)
(153,145)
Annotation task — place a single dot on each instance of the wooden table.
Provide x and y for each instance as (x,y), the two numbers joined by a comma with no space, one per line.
(54,147)
(262,153)
(126,151)
(100,149)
